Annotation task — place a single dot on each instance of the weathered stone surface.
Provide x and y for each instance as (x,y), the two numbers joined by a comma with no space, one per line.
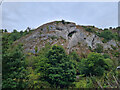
(63,30)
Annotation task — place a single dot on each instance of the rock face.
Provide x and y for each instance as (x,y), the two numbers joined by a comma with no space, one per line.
(56,32)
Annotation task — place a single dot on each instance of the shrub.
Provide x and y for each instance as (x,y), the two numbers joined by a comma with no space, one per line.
(53,37)
(109,63)
(56,67)
(104,41)
(106,55)
(48,28)
(107,34)
(74,56)
(89,29)
(99,48)
(14,68)
(63,21)
(58,22)
(116,54)
(36,49)
(84,83)
(110,27)
(94,64)
(67,22)
(113,47)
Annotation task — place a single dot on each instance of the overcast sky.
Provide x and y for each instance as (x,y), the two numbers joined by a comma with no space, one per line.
(20,15)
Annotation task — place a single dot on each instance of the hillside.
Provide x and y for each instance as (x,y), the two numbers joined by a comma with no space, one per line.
(61,54)
(83,39)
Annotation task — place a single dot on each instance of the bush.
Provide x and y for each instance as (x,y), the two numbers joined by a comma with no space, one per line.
(74,56)
(94,64)
(48,28)
(63,21)
(109,63)
(104,41)
(107,34)
(99,48)
(105,55)
(89,29)
(84,83)
(13,66)
(56,68)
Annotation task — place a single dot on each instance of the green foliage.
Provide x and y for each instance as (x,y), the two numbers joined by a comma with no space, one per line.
(104,40)
(63,21)
(84,83)
(99,48)
(54,37)
(105,55)
(48,28)
(5,30)
(74,56)
(56,67)
(89,29)
(94,64)
(117,54)
(107,35)
(109,63)
(13,68)
(113,47)
(67,22)
(36,49)
(33,80)
(62,72)
(9,38)
(57,22)
(52,67)
(116,37)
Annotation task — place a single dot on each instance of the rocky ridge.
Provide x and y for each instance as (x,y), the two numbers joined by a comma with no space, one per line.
(68,34)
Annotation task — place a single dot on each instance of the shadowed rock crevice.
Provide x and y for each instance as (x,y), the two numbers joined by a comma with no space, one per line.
(92,44)
(71,33)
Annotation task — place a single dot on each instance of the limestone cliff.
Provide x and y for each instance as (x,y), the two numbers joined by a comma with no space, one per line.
(68,34)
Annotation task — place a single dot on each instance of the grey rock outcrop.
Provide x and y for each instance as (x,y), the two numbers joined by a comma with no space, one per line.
(68,32)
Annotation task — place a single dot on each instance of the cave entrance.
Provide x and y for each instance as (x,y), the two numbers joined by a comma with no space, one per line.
(71,33)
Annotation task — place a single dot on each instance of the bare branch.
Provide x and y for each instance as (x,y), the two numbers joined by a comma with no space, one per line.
(116,81)
(100,85)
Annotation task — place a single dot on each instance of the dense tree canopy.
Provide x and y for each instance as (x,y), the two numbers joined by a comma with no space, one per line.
(94,64)
(59,71)
(13,68)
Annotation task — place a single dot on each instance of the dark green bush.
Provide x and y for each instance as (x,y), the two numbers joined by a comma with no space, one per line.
(99,48)
(89,29)
(57,68)
(94,64)
(104,41)
(107,35)
(63,21)
(105,55)
(54,37)
(74,56)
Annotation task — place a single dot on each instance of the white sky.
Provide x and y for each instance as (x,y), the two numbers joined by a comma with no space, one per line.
(20,15)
